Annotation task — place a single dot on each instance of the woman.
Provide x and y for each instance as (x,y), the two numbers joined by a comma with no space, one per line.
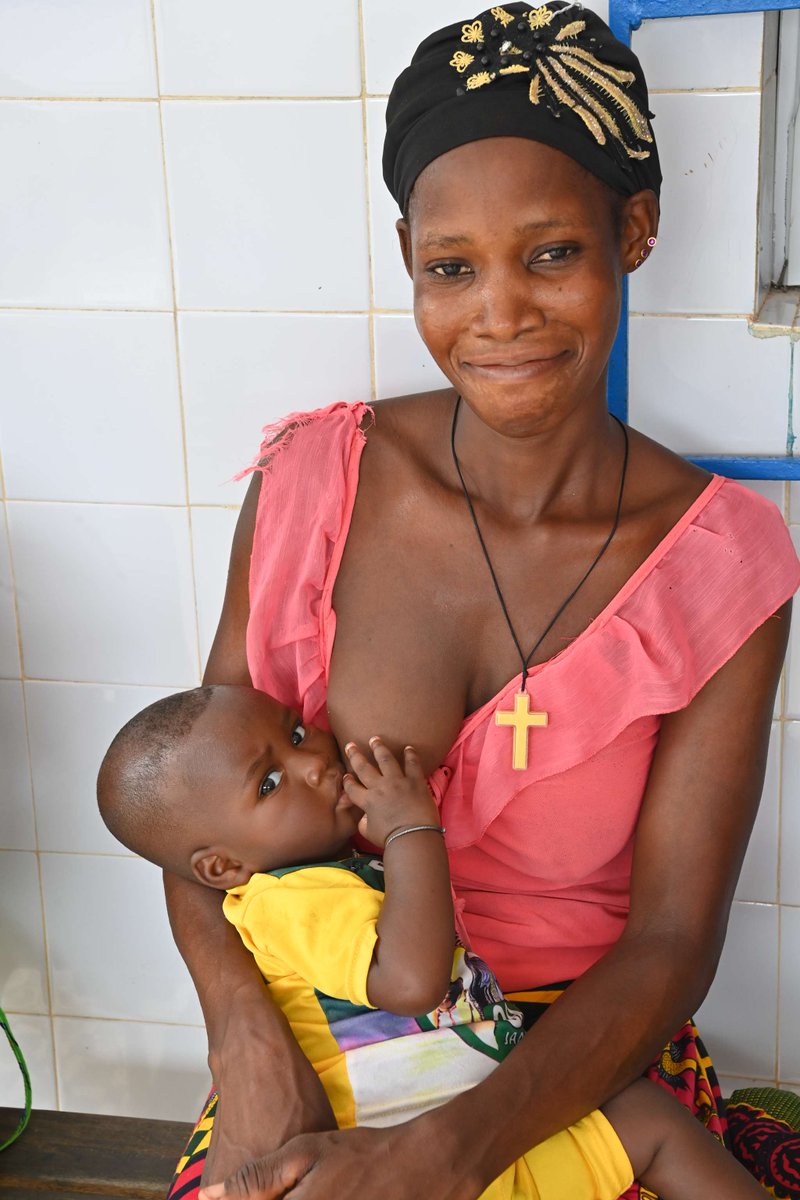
(510,530)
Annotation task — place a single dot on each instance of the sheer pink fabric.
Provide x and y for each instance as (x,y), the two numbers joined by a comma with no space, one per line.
(540,859)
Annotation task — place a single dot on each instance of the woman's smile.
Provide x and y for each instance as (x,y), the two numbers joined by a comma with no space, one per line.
(509,368)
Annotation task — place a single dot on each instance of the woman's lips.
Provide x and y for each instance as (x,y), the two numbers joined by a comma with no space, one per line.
(513,369)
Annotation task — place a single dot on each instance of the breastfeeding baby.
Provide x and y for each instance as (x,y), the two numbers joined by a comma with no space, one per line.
(225,786)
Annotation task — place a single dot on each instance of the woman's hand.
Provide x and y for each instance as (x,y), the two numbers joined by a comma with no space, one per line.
(268,1091)
(390,795)
(347,1165)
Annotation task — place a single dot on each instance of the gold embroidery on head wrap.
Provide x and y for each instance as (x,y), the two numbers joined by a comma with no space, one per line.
(591,122)
(568,31)
(472,32)
(461,60)
(563,71)
(539,17)
(615,72)
(636,120)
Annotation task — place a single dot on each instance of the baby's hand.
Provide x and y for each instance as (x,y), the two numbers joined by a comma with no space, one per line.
(389,794)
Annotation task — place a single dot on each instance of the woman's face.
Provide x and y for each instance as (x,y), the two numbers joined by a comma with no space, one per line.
(517,256)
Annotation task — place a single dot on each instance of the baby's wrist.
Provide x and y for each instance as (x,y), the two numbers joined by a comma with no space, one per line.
(415,828)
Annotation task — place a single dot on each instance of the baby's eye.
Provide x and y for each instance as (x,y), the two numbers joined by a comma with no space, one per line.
(270,782)
(298,734)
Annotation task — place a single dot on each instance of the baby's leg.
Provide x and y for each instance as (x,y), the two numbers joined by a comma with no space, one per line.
(670,1151)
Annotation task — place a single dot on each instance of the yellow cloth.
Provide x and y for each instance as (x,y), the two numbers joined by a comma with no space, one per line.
(312,931)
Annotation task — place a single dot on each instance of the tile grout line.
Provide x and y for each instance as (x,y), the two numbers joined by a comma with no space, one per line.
(176,334)
(368,195)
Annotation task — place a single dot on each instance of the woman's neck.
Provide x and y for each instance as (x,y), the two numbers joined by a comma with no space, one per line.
(562,470)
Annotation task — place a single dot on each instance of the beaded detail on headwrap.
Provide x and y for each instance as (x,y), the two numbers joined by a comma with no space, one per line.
(565,72)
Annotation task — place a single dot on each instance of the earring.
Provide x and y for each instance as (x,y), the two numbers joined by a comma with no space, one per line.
(651,241)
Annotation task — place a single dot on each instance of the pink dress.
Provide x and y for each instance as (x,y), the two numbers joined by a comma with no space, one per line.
(541,859)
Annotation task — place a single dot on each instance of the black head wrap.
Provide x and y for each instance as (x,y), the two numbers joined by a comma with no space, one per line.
(554,73)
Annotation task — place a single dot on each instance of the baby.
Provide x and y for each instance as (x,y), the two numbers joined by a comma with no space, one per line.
(228,787)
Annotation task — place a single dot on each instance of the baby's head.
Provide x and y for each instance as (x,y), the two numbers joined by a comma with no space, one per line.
(220,782)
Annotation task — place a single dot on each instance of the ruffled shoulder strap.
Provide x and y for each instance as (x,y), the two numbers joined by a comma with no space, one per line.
(690,607)
(309,463)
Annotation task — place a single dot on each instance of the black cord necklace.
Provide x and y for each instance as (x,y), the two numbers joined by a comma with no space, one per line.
(521,719)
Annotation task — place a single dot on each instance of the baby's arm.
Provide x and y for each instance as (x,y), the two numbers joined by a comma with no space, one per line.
(670,1151)
(413,957)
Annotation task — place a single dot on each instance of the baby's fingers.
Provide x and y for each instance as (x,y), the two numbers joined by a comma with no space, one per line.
(361,766)
(412,765)
(387,763)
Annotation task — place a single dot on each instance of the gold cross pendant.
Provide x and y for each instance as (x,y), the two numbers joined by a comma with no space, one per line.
(521,719)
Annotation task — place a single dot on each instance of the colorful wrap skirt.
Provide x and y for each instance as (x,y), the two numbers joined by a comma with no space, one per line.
(683,1068)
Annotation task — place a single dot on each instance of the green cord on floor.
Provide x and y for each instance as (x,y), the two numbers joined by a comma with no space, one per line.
(23,1066)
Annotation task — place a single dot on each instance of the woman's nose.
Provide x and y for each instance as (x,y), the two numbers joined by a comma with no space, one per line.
(508,305)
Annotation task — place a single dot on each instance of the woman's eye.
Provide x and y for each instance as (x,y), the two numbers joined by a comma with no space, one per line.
(270,782)
(554,254)
(298,734)
(449,270)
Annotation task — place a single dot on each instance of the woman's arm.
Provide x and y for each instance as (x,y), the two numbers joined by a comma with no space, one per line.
(701,800)
(268,1092)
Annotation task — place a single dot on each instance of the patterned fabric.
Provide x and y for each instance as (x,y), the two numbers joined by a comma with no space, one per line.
(683,1068)
(764,1128)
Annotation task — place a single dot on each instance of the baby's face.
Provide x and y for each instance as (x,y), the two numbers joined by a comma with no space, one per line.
(269,788)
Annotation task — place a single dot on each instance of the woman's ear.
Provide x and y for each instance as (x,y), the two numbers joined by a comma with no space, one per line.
(639,223)
(215,867)
(404,234)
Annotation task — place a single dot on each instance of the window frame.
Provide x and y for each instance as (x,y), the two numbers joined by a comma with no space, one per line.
(625,16)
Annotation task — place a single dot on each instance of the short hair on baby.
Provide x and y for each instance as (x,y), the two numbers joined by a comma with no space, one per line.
(132,791)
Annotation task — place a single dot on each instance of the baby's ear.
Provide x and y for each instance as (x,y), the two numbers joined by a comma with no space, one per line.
(214,867)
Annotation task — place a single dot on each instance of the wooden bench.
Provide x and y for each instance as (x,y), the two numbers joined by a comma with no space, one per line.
(77,1156)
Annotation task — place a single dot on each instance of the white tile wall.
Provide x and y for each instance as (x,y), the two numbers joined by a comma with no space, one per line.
(110,426)
(83,220)
(9,647)
(684,53)
(243,370)
(705,260)
(97,906)
(16,803)
(86,573)
(85,48)
(140,1069)
(212,533)
(706,386)
(23,974)
(254,226)
(102,388)
(71,726)
(252,54)
(35,1034)
(739,1016)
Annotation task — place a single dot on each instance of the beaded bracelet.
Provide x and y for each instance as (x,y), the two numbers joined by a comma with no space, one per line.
(412,829)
